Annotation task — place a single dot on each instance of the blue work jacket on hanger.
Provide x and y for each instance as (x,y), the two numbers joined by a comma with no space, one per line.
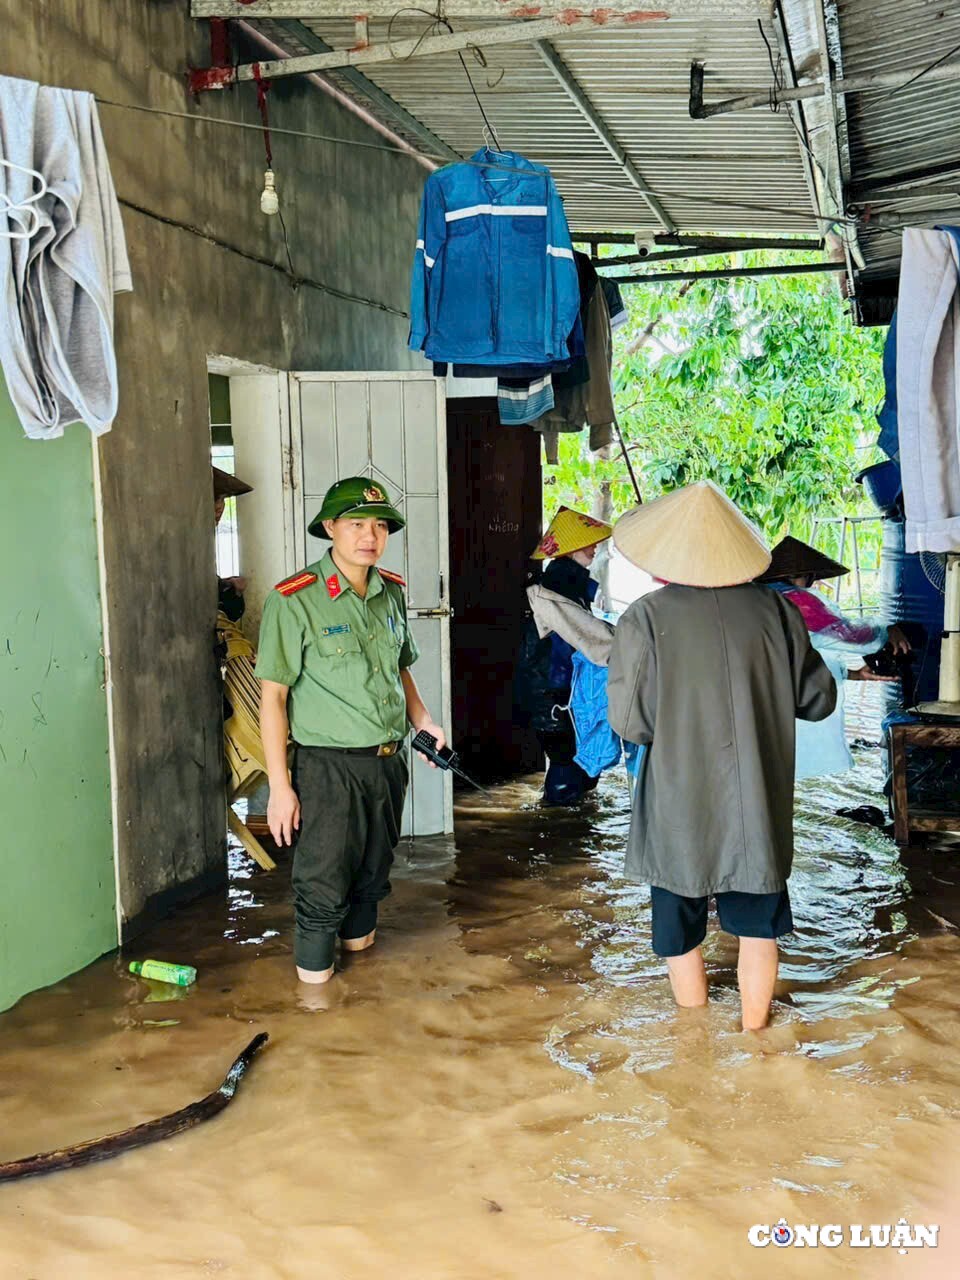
(494,278)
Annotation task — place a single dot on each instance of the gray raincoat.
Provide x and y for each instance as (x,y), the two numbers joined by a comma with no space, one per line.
(713,681)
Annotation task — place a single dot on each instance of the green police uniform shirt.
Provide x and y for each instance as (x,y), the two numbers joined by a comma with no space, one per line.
(340,656)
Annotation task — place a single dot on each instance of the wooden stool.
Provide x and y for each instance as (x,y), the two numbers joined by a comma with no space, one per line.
(924,734)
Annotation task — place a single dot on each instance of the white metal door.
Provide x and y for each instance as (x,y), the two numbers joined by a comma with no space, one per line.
(392,427)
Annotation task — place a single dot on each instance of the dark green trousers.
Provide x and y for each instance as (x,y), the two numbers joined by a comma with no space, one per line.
(350,812)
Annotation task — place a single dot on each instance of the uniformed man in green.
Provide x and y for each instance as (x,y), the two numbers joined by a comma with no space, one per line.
(334,661)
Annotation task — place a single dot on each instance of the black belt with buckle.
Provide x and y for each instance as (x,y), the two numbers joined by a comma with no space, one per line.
(385,749)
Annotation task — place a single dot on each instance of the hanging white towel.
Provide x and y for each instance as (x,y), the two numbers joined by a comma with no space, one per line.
(57,285)
(928,394)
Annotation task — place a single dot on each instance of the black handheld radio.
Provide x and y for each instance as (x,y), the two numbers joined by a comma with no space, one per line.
(442,757)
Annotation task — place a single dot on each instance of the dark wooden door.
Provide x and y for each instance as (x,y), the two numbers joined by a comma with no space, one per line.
(495,518)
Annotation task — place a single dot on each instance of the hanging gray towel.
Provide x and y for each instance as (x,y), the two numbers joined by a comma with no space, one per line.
(57,286)
(589,634)
(928,396)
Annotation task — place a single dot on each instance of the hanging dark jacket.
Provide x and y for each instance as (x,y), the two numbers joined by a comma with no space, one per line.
(545,667)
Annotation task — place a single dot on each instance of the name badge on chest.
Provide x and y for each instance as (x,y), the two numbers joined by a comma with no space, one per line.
(342,629)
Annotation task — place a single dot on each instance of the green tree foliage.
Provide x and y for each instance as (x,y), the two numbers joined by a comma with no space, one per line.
(761,384)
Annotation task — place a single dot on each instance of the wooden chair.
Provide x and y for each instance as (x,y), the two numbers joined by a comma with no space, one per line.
(243,747)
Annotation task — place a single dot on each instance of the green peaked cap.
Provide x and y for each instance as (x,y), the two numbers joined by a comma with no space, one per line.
(358,497)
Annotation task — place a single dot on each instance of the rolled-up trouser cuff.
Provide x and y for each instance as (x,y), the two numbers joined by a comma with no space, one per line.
(352,808)
(314,952)
(360,920)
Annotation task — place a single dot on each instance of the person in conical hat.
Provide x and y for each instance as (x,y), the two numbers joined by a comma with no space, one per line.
(570,532)
(822,748)
(230,601)
(545,667)
(695,537)
(711,673)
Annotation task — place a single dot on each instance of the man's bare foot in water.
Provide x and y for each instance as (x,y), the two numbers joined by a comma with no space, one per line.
(314,975)
(360,944)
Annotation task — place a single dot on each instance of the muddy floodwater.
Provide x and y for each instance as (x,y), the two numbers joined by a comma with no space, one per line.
(503,1087)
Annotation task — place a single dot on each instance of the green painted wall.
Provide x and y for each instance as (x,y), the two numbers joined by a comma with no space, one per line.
(57,892)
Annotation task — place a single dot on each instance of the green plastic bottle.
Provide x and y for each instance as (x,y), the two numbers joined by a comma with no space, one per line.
(179,975)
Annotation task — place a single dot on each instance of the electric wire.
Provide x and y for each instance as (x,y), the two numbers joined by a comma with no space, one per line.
(296,280)
(892,93)
(592,183)
(779,83)
(286,242)
(776,70)
(437,24)
(847,232)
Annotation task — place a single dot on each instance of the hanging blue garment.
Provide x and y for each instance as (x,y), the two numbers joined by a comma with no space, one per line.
(633,757)
(889,439)
(494,278)
(598,747)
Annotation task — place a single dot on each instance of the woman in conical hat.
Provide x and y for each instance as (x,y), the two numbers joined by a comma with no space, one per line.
(571,533)
(711,673)
(545,667)
(794,570)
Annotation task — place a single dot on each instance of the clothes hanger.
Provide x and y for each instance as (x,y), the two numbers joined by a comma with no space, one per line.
(489,138)
(26,206)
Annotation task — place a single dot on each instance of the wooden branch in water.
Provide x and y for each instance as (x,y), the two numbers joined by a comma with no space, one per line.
(142,1134)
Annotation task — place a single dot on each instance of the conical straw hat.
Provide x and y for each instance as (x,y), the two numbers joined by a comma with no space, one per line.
(695,537)
(795,559)
(227,486)
(570,531)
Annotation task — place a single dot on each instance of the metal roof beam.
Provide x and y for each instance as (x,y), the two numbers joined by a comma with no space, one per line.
(831,55)
(917,218)
(701,110)
(734,273)
(632,259)
(795,109)
(384,104)
(837,141)
(400,50)
(903,182)
(709,244)
(574,91)
(318,10)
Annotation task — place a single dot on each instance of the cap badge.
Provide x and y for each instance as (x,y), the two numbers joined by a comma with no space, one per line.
(373,494)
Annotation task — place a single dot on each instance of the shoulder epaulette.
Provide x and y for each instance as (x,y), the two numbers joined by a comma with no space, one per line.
(392,577)
(290,586)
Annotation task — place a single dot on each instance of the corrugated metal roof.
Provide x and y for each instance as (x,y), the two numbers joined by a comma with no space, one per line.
(735,173)
(890,132)
(893,132)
